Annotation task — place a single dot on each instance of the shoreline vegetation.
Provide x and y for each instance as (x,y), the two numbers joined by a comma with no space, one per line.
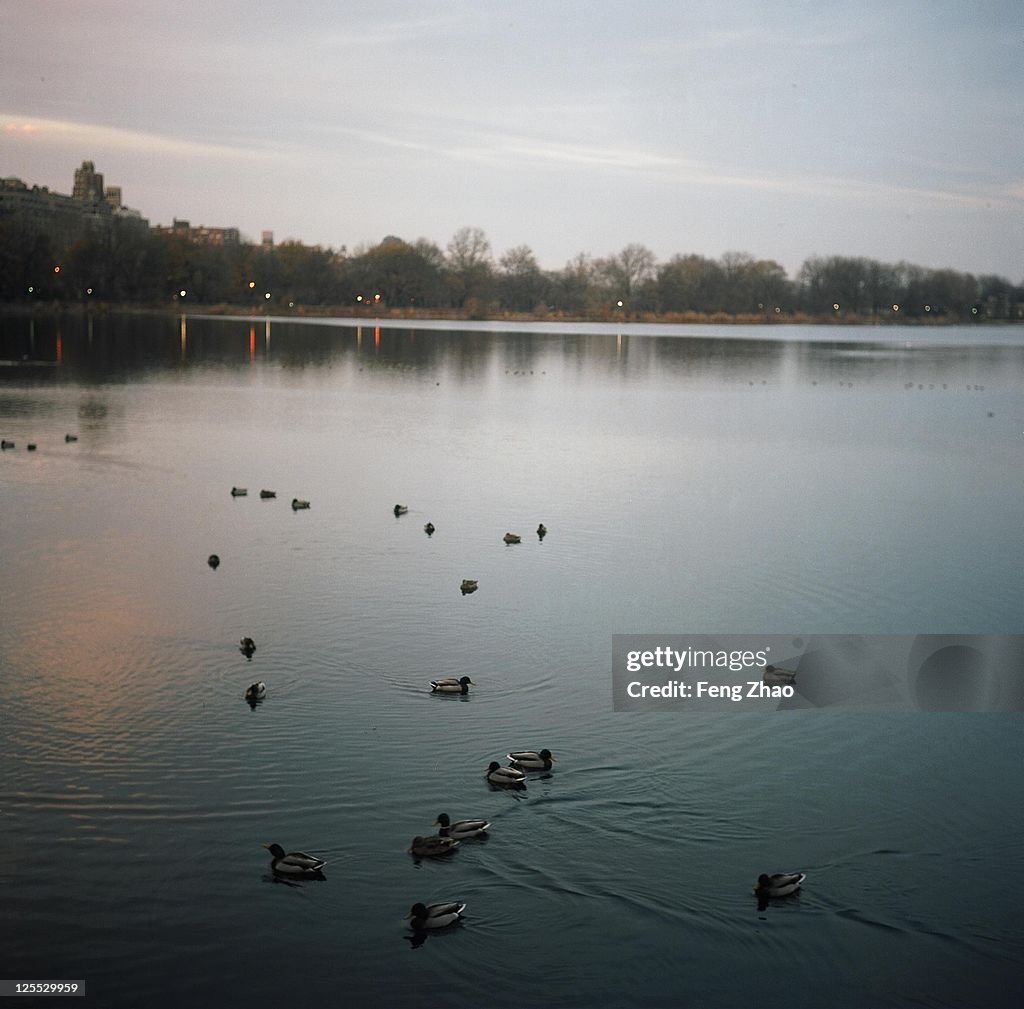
(122,263)
(381,313)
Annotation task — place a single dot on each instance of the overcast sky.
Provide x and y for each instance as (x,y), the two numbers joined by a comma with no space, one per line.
(893,130)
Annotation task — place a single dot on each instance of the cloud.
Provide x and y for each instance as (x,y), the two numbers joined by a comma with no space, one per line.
(510,151)
(92,136)
(501,151)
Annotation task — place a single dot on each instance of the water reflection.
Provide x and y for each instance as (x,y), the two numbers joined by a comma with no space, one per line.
(117,347)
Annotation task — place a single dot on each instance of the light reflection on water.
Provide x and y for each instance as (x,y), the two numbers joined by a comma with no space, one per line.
(689,486)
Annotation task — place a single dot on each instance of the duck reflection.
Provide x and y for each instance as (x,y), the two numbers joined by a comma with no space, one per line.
(316,877)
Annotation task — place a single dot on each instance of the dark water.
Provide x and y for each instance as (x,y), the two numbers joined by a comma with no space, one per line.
(717,482)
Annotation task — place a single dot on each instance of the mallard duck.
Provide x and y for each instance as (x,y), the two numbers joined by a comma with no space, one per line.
(451,685)
(298,505)
(509,777)
(295,863)
(71,437)
(778,677)
(531,760)
(779,884)
(542,530)
(247,647)
(460,829)
(512,538)
(401,509)
(256,691)
(239,491)
(429,528)
(435,915)
(433,847)
(268,494)
(214,561)
(469,585)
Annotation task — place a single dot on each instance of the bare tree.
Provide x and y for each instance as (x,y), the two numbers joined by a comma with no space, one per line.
(623,272)
(469,249)
(573,288)
(469,265)
(520,283)
(691,284)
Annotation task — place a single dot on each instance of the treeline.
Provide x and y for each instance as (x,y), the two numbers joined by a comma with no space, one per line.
(129,265)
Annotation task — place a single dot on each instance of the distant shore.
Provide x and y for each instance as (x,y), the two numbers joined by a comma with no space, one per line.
(380,312)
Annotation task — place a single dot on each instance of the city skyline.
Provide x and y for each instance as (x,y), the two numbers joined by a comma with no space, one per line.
(887,132)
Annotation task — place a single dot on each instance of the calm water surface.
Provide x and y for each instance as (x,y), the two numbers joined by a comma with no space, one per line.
(747,481)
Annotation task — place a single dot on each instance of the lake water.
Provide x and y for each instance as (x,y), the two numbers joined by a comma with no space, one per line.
(795,481)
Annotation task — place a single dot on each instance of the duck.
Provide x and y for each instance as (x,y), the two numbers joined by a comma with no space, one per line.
(429,528)
(5,444)
(512,538)
(256,691)
(460,829)
(509,777)
(214,561)
(778,677)
(451,685)
(433,847)
(265,494)
(298,505)
(779,884)
(71,437)
(441,915)
(239,491)
(294,863)
(401,510)
(469,585)
(531,760)
(31,446)
(247,647)
(542,530)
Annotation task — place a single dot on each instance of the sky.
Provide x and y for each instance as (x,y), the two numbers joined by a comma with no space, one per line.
(892,130)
